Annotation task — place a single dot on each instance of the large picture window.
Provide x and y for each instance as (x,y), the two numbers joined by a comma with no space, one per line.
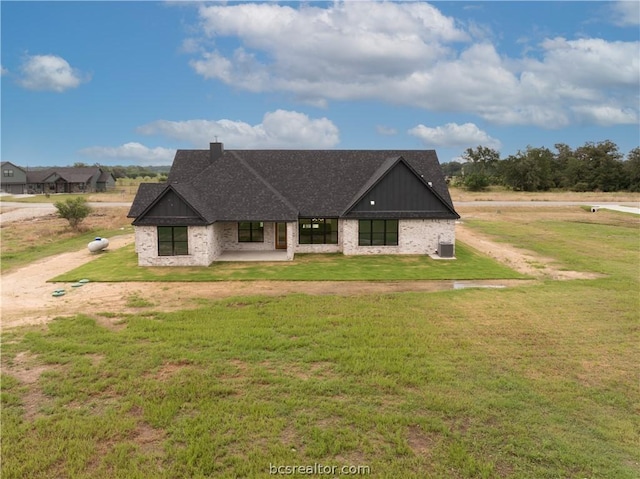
(378,233)
(318,231)
(251,232)
(172,241)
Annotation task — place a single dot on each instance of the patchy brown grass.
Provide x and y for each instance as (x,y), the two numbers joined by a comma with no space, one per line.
(496,193)
(421,442)
(26,368)
(170,369)
(22,235)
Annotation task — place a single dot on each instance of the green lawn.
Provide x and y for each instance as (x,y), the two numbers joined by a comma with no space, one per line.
(122,265)
(529,382)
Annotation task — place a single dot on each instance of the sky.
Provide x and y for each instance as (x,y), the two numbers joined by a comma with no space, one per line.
(130,82)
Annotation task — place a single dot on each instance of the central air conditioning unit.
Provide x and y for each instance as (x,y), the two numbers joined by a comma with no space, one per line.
(445,250)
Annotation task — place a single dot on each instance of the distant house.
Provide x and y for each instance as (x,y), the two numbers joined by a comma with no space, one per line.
(13,179)
(86,179)
(296,201)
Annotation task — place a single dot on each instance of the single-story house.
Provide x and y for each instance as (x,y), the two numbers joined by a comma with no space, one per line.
(13,179)
(85,179)
(297,201)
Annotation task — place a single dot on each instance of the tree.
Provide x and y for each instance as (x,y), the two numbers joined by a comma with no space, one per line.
(601,166)
(74,210)
(480,167)
(632,169)
(529,170)
(452,168)
(560,170)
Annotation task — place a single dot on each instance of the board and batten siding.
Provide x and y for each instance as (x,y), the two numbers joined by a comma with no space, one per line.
(399,191)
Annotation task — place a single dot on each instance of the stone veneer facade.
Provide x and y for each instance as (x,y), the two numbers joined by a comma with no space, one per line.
(204,246)
(415,236)
(206,243)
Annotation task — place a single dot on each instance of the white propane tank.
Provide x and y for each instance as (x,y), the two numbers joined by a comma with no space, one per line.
(98,244)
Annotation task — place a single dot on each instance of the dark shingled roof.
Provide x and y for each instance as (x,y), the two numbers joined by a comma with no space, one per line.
(38,176)
(68,173)
(147,193)
(105,176)
(282,185)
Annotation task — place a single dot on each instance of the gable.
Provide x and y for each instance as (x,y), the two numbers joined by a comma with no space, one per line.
(12,173)
(52,178)
(402,193)
(171,205)
(169,208)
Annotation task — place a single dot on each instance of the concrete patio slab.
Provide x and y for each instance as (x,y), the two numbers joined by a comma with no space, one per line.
(623,209)
(272,255)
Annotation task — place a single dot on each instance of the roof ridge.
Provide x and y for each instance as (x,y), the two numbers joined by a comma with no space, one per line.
(271,188)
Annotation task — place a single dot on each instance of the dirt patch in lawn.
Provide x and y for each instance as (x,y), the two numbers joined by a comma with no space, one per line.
(25,368)
(523,261)
(421,443)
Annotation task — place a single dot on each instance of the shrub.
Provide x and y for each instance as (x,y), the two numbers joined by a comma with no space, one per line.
(74,210)
(476,182)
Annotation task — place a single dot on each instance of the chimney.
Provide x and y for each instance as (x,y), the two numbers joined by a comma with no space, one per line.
(216,151)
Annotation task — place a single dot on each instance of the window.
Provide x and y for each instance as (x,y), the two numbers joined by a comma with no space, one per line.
(378,233)
(7,172)
(251,232)
(172,241)
(318,231)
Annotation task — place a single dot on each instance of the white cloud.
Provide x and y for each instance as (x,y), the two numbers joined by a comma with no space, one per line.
(3,71)
(356,40)
(411,54)
(132,151)
(625,13)
(454,135)
(50,73)
(279,129)
(606,115)
(590,63)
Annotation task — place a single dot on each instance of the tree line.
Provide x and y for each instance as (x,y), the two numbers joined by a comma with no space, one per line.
(131,171)
(591,167)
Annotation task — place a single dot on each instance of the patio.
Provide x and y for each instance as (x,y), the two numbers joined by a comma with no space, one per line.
(271,255)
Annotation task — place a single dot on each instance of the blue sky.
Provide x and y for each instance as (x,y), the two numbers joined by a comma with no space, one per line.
(130,82)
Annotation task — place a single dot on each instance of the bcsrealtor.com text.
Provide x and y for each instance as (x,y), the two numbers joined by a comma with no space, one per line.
(316,469)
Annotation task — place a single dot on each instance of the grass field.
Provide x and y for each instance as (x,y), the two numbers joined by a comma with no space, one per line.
(122,265)
(500,193)
(27,241)
(537,381)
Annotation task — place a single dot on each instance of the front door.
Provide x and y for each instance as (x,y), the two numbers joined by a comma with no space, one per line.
(281,235)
